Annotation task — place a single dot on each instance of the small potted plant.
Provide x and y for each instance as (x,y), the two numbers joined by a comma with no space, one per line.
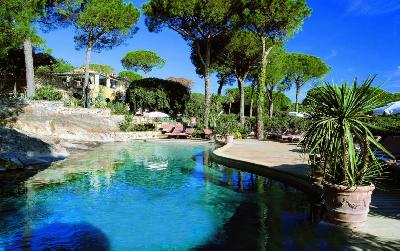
(226,127)
(339,135)
(229,138)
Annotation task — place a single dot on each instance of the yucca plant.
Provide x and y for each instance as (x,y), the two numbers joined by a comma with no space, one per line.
(338,123)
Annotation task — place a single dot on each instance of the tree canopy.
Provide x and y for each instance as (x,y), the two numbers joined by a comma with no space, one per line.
(198,22)
(130,75)
(303,68)
(240,57)
(242,54)
(102,68)
(183,81)
(157,94)
(274,21)
(13,65)
(102,24)
(142,60)
(58,66)
(276,75)
(384,96)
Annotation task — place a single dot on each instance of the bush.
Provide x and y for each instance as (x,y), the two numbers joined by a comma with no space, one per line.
(198,133)
(118,108)
(47,92)
(100,101)
(127,125)
(143,127)
(157,94)
(73,102)
(285,123)
(226,124)
(195,107)
(385,125)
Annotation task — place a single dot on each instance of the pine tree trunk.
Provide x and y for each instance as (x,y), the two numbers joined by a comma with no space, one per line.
(297,96)
(207,91)
(251,101)
(241,89)
(271,103)
(86,88)
(261,89)
(219,92)
(205,60)
(260,93)
(30,74)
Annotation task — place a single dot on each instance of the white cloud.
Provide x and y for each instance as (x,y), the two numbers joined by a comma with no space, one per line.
(331,55)
(372,7)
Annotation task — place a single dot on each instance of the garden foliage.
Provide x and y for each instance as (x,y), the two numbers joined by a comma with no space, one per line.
(157,94)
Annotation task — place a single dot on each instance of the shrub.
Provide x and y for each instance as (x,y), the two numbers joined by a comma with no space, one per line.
(47,92)
(385,125)
(157,94)
(338,121)
(118,108)
(74,102)
(250,123)
(285,123)
(226,124)
(100,101)
(195,107)
(143,127)
(197,133)
(237,135)
(127,125)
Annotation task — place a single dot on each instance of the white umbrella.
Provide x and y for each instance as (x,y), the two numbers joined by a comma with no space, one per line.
(389,109)
(299,114)
(156,115)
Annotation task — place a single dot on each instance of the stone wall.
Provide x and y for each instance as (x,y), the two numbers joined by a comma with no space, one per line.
(50,119)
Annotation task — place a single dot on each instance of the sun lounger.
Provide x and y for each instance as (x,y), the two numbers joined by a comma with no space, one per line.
(167,127)
(178,131)
(189,132)
(208,133)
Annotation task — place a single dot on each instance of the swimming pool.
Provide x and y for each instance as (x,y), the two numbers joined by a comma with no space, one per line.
(157,196)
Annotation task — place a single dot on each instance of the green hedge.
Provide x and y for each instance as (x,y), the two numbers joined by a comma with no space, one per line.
(47,92)
(158,94)
(385,125)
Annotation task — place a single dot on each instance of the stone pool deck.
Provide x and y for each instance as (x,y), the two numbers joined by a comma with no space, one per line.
(284,161)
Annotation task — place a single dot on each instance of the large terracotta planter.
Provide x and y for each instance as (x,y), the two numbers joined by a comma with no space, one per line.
(229,139)
(347,206)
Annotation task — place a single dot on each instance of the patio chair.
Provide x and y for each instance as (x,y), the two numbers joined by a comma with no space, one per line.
(177,131)
(283,136)
(208,133)
(189,132)
(296,137)
(167,127)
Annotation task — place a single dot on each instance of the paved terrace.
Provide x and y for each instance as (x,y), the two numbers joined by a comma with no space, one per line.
(284,161)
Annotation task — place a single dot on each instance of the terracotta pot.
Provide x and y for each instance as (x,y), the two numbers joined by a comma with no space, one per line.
(347,206)
(229,139)
(193,121)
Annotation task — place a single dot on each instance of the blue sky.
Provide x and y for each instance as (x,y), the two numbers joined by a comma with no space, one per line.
(354,37)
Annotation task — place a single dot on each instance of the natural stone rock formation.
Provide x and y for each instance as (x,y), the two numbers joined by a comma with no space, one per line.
(44,131)
(50,119)
(18,150)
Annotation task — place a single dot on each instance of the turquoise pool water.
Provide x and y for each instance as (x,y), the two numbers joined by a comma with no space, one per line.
(157,196)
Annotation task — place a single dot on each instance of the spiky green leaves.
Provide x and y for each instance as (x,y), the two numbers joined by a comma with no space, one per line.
(337,125)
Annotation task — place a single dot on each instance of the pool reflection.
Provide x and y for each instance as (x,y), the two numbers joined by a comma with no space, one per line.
(152,196)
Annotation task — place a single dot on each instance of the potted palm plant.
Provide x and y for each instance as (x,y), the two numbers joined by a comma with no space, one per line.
(339,135)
